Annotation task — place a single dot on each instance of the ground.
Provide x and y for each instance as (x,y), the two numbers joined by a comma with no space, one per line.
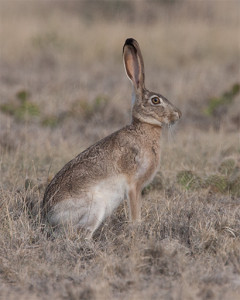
(62,88)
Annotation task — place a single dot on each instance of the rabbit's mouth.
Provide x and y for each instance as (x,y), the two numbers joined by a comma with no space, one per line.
(175,116)
(173,122)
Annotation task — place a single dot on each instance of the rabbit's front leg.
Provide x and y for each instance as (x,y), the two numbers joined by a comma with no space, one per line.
(135,203)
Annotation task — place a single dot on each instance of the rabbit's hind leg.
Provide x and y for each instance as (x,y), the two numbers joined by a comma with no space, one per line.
(79,213)
(91,220)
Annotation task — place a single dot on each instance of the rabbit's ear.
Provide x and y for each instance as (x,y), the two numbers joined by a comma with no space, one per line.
(133,63)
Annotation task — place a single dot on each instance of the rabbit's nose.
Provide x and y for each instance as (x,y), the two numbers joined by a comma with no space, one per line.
(178,113)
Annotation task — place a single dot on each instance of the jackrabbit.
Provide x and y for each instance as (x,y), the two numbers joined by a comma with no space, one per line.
(92,185)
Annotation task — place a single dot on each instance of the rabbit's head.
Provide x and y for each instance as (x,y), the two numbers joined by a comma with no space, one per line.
(148,107)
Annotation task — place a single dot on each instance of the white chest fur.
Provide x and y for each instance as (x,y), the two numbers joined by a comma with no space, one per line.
(147,168)
(109,193)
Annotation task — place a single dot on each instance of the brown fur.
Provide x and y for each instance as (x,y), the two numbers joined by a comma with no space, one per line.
(132,153)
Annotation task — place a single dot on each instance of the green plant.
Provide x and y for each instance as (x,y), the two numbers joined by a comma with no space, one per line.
(217,183)
(50,121)
(226,98)
(189,180)
(227,166)
(23,109)
(87,109)
(234,182)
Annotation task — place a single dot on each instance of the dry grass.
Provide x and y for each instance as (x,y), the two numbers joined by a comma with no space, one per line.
(67,56)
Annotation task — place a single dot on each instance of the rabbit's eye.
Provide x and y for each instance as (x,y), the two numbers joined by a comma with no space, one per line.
(155,100)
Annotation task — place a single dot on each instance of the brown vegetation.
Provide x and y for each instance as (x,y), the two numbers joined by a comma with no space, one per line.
(62,87)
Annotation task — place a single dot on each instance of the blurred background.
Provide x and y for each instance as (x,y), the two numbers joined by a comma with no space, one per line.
(62,88)
(62,76)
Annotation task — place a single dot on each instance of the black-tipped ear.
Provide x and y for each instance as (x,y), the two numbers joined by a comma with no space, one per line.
(133,63)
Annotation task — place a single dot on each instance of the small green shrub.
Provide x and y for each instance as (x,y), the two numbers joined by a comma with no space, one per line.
(22,110)
(217,183)
(23,95)
(225,99)
(87,109)
(227,166)
(50,121)
(234,183)
(189,180)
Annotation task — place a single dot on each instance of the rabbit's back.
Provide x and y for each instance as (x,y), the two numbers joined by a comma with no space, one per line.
(120,156)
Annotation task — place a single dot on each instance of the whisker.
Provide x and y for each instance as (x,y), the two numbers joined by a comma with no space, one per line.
(171,132)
